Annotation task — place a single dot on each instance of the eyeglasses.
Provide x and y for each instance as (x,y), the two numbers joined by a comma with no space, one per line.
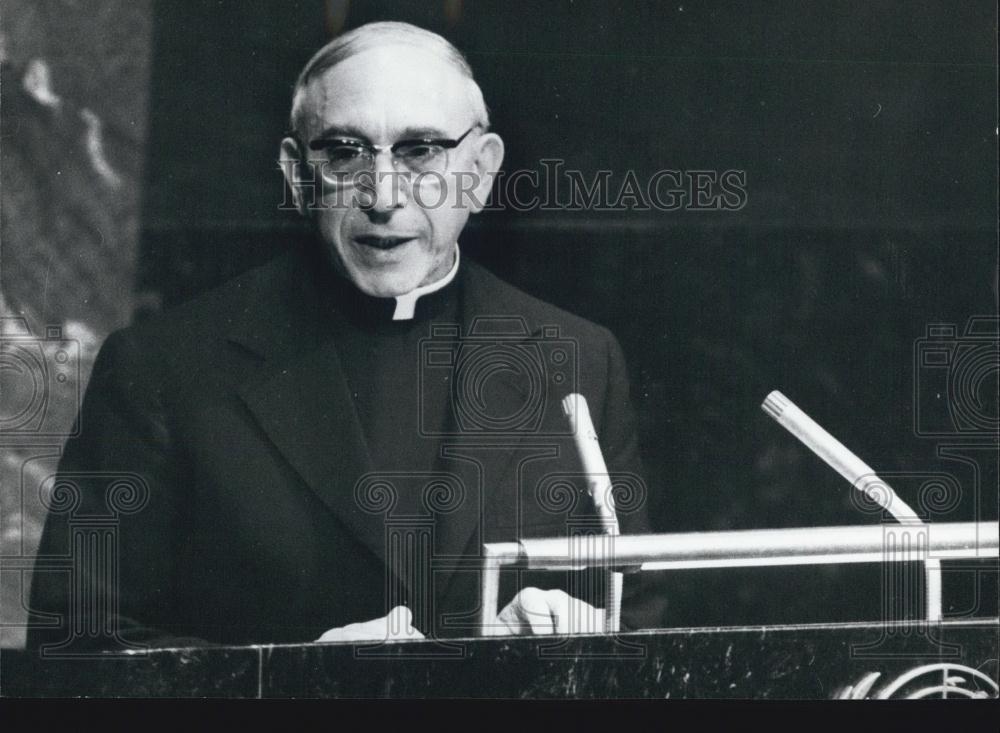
(348,156)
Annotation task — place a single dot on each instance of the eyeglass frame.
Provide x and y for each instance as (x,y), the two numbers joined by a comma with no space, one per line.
(373,150)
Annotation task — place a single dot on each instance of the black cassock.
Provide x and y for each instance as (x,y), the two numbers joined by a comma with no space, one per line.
(295,460)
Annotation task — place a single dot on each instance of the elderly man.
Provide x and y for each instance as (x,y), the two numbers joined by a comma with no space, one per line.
(322,446)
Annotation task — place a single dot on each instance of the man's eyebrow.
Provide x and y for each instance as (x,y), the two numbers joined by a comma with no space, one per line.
(409,133)
(337,131)
(422,133)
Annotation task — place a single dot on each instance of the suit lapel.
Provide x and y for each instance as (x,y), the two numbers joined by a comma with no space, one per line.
(306,410)
(300,397)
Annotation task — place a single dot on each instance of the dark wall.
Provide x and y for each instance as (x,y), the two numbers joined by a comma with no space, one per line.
(867,133)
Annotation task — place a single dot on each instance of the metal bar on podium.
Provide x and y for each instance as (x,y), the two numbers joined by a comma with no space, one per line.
(741,548)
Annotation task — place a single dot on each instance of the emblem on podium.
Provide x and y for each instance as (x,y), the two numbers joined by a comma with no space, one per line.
(926,681)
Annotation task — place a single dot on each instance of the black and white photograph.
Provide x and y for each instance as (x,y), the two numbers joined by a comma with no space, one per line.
(472,349)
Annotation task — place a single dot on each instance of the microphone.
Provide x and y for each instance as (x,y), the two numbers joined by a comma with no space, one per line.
(589,448)
(837,456)
(860,474)
(599,485)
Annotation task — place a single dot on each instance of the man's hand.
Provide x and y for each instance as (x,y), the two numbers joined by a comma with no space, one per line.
(396,626)
(536,611)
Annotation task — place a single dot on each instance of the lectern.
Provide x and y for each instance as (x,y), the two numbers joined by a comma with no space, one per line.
(951,658)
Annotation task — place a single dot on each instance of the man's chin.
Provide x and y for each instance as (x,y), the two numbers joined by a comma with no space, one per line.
(379,280)
(388,285)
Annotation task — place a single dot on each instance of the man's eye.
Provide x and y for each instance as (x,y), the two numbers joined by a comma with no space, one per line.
(344,153)
(420,152)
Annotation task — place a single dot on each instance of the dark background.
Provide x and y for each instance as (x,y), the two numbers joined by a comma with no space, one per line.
(868,133)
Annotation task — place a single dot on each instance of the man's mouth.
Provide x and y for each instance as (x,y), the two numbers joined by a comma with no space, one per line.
(372,240)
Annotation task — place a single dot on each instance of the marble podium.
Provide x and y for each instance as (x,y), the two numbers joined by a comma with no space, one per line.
(956,658)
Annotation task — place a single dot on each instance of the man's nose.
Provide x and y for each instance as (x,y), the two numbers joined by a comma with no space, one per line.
(389,184)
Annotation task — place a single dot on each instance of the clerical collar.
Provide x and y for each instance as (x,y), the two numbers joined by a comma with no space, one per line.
(406,304)
(393,312)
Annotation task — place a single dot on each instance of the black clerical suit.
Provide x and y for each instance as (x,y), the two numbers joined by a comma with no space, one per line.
(278,457)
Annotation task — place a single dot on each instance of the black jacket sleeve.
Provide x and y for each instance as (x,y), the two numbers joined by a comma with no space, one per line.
(116,516)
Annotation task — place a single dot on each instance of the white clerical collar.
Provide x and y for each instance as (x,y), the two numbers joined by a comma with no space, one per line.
(406,304)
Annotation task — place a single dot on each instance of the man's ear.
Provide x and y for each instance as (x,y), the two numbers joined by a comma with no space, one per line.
(489,157)
(291,161)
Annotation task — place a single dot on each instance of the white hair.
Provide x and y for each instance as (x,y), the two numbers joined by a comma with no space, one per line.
(387,33)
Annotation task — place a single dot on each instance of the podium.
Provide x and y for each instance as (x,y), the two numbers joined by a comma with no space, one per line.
(953,659)
(925,657)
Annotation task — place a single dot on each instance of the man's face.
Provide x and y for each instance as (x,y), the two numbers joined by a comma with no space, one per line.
(393,236)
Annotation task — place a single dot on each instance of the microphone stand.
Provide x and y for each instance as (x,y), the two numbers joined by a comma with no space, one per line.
(861,476)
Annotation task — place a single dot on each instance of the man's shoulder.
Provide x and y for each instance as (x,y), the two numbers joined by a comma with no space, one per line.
(256,291)
(257,296)
(271,298)
(501,299)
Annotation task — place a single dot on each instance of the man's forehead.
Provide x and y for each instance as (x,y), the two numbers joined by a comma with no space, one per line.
(387,90)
